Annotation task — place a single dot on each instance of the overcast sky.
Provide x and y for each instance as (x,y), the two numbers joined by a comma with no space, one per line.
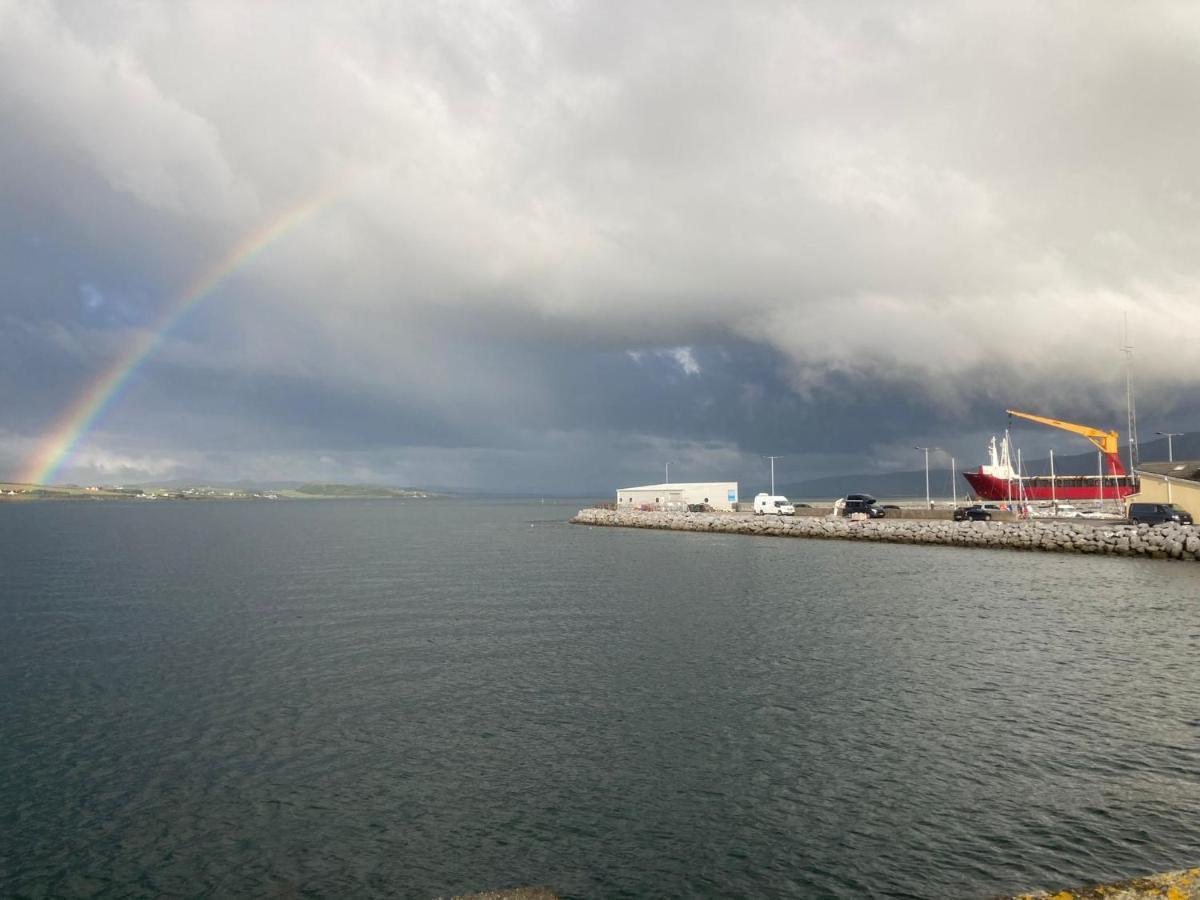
(567,242)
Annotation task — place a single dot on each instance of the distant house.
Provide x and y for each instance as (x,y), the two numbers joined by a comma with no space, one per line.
(1170,482)
(717,494)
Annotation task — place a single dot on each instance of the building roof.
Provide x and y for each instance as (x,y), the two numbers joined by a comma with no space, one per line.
(678,485)
(1183,469)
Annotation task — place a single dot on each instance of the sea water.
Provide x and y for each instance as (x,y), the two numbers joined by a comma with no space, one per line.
(411,698)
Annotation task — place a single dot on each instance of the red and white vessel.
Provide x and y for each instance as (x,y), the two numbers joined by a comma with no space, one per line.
(998,480)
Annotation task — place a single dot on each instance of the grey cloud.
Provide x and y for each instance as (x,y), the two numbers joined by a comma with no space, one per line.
(907,213)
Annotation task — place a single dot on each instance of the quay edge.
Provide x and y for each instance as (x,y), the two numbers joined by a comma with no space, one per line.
(1181,885)
(1181,542)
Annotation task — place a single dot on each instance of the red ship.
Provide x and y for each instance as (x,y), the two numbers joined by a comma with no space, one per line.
(999,481)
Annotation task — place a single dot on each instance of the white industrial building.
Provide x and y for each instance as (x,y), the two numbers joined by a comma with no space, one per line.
(717,494)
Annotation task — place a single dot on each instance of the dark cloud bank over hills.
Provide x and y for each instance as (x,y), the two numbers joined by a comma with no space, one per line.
(564,245)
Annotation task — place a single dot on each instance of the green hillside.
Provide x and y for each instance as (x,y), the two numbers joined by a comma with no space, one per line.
(352,490)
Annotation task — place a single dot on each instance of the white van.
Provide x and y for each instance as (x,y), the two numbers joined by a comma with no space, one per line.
(768,505)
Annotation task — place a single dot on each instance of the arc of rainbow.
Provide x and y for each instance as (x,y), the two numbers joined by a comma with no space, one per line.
(79,418)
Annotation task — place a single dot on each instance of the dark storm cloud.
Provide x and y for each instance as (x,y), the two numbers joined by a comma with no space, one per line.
(614,232)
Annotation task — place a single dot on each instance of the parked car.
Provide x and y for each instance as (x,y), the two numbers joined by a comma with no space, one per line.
(772,505)
(1157,514)
(862,503)
(980,512)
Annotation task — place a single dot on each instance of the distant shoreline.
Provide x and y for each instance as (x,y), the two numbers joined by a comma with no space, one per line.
(21,492)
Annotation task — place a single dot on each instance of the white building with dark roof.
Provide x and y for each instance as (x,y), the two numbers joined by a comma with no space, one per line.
(1175,482)
(717,494)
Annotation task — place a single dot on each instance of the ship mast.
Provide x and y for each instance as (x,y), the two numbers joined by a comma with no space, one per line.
(1004,458)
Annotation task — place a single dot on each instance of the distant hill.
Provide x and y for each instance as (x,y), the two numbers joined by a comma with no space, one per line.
(912,483)
(243,484)
(884,484)
(355,490)
(291,488)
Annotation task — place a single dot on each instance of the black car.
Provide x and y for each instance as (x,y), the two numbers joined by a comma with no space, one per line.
(1157,514)
(862,503)
(980,512)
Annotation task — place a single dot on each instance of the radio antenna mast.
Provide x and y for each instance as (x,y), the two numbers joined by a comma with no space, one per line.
(1130,404)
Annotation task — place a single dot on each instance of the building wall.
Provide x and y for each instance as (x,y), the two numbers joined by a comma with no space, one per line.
(715,494)
(656,497)
(1159,489)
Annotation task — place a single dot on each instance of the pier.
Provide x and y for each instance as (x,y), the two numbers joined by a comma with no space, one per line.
(1178,542)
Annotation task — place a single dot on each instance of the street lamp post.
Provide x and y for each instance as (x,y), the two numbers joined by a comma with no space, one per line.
(1168,435)
(928,502)
(668,475)
(772,459)
(954,482)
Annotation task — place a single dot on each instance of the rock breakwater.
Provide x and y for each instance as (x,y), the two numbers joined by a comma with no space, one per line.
(1055,536)
(1181,885)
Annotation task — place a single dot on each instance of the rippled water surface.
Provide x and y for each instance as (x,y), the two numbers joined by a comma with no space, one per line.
(393,698)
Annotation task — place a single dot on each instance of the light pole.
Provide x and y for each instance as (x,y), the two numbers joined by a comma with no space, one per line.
(1168,435)
(668,475)
(954,482)
(928,502)
(772,459)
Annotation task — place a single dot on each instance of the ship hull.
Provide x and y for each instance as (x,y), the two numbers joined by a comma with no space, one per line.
(1063,487)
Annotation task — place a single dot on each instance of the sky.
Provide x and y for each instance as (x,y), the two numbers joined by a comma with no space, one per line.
(551,247)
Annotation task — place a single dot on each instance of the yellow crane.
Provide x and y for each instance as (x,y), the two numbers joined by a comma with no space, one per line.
(1108,442)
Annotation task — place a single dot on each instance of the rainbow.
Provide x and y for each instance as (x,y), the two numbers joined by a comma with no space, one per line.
(79,418)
